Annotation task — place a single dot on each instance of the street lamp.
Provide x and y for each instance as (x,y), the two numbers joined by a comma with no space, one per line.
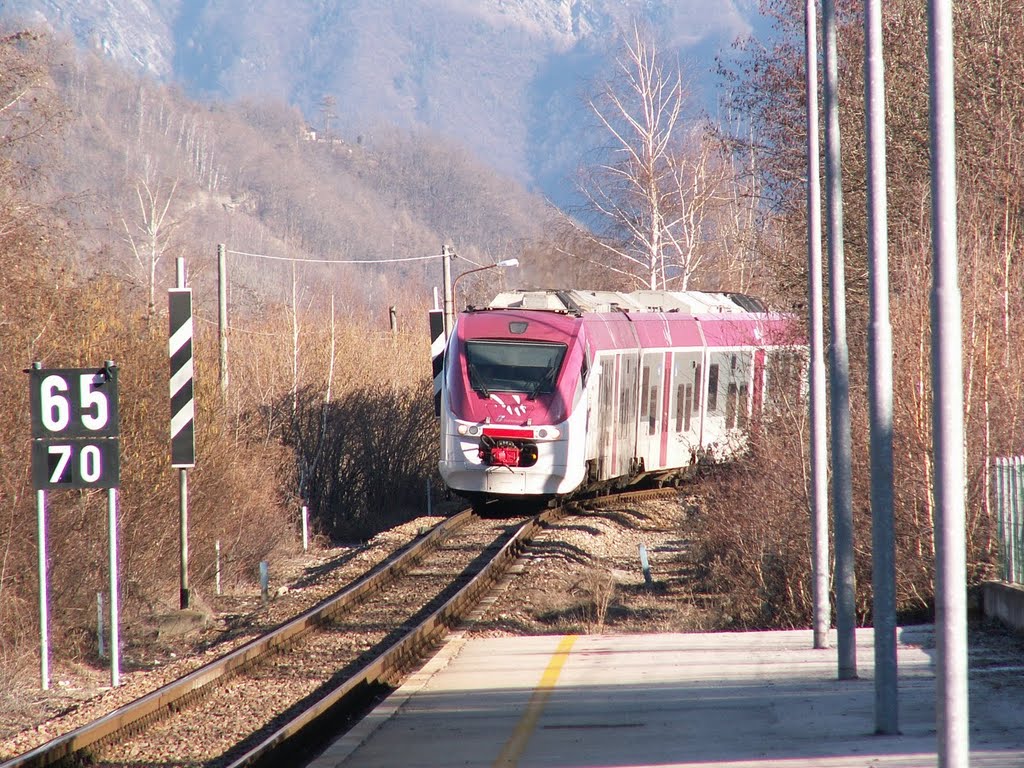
(449,299)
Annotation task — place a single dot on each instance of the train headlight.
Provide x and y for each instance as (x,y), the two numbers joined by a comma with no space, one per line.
(473,430)
(548,433)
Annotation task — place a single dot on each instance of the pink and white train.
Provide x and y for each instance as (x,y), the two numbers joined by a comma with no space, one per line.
(549,393)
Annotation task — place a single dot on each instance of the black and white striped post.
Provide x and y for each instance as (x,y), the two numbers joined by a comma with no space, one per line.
(437,344)
(183,451)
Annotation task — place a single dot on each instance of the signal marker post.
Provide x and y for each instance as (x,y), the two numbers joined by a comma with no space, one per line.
(183,451)
(75,444)
(437,344)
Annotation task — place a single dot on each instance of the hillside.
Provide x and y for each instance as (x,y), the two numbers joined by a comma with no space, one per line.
(147,174)
(505,78)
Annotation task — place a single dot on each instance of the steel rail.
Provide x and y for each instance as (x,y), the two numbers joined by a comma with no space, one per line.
(386,668)
(407,650)
(148,708)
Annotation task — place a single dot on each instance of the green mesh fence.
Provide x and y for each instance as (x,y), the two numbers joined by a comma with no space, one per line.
(1008,488)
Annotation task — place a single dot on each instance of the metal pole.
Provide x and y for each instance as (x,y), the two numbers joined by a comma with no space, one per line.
(185,596)
(305,528)
(184,600)
(842,481)
(883,536)
(446,286)
(1006,514)
(222,317)
(819,455)
(115,641)
(948,405)
(1017,511)
(1003,491)
(44,621)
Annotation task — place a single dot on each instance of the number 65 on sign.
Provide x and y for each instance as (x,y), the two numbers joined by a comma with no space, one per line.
(74,428)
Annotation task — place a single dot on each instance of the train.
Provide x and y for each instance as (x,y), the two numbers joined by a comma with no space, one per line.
(547,394)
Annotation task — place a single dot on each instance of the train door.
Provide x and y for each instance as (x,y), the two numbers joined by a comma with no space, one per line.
(649,427)
(684,408)
(628,383)
(603,422)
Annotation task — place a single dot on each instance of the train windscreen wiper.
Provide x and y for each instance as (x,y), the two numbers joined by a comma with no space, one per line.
(476,381)
(542,384)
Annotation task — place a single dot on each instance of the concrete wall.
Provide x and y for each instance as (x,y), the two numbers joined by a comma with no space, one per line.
(1004,602)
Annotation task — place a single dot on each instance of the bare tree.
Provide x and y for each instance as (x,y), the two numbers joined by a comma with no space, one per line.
(149,236)
(651,196)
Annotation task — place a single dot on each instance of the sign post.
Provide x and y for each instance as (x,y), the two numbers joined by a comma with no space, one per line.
(75,444)
(183,450)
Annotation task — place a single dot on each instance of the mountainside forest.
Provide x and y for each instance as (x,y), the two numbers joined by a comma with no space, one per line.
(504,79)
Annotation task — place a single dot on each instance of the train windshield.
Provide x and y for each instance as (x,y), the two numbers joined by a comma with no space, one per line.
(513,366)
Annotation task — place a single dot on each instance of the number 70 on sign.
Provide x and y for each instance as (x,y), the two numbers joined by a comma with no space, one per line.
(74,428)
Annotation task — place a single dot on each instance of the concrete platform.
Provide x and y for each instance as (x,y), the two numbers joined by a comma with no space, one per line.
(740,700)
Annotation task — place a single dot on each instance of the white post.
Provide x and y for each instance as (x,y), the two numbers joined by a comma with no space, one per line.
(115,642)
(99,625)
(44,622)
(217,577)
(305,528)
(816,323)
(948,404)
(883,537)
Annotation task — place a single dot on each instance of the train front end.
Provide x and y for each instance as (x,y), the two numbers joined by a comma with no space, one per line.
(513,417)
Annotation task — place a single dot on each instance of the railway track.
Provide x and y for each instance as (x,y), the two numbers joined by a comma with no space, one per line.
(330,663)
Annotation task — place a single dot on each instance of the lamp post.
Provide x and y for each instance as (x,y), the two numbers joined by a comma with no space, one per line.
(449,299)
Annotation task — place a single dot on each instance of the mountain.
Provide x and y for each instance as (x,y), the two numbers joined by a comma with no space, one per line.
(506,78)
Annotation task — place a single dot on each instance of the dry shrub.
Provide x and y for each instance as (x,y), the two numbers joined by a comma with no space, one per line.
(367,457)
(234,493)
(751,547)
(596,590)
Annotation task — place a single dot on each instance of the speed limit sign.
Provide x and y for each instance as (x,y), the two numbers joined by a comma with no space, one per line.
(75,428)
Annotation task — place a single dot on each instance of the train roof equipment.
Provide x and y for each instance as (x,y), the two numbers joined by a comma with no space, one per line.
(580,302)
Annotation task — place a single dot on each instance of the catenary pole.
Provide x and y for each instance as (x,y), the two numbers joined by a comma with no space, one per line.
(446,286)
(947,407)
(883,548)
(819,433)
(842,481)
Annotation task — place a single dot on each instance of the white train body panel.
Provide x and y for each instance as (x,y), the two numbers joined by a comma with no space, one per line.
(546,393)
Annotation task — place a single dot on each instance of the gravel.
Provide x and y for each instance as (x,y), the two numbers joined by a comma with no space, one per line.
(582,574)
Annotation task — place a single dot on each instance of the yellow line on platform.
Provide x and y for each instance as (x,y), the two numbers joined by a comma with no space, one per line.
(513,749)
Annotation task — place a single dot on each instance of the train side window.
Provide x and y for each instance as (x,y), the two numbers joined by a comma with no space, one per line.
(682,406)
(652,409)
(741,416)
(645,385)
(696,388)
(688,409)
(713,388)
(731,406)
